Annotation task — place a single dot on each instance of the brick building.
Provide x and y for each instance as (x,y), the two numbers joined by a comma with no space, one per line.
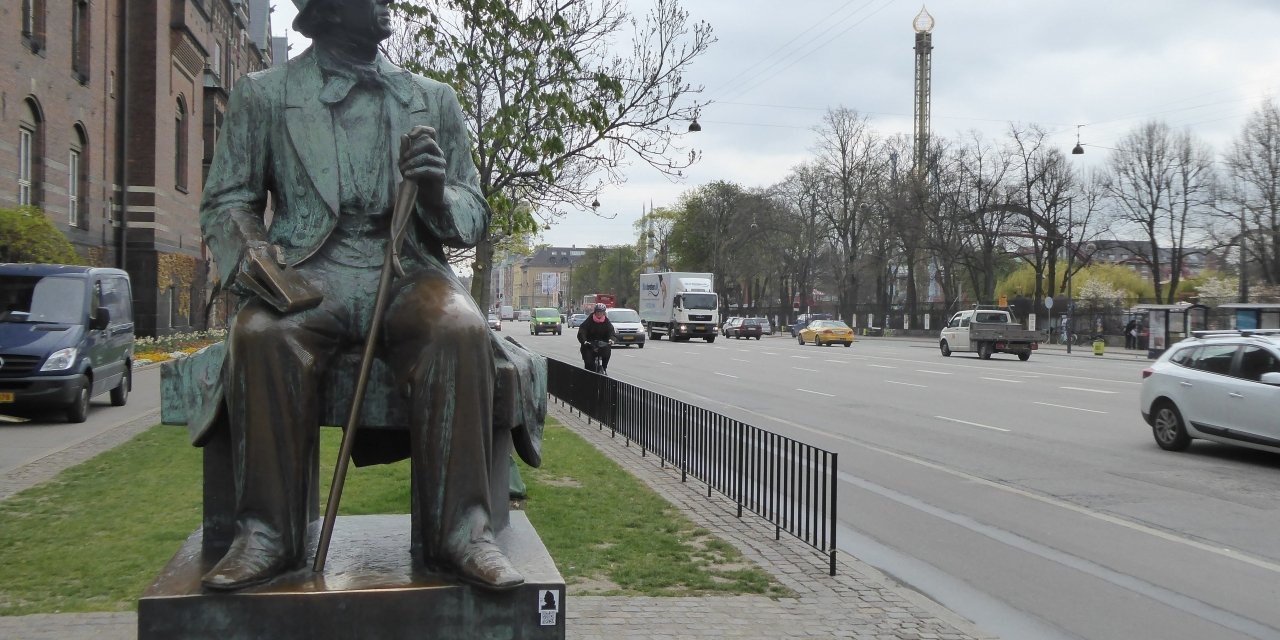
(79,104)
(544,279)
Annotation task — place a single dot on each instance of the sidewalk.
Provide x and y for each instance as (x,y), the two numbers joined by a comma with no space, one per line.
(858,602)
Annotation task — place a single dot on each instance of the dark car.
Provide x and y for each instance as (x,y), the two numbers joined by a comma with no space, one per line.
(66,335)
(745,328)
(804,319)
(766,327)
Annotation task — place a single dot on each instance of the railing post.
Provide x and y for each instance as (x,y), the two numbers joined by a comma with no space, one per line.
(834,481)
(740,471)
(684,444)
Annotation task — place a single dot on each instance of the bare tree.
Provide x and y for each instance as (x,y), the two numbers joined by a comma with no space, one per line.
(1254,192)
(982,174)
(1162,182)
(848,153)
(802,195)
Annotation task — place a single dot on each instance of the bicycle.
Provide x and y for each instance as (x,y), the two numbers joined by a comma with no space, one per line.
(597,363)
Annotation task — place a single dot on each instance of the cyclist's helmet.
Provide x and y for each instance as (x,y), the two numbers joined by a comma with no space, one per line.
(599,307)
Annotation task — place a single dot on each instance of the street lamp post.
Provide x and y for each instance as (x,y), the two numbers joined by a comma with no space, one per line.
(1071,256)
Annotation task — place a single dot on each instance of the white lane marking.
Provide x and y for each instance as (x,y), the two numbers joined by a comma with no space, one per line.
(972,424)
(726,375)
(941,373)
(1003,380)
(666,363)
(739,360)
(804,369)
(881,366)
(1089,390)
(906,384)
(1224,552)
(1063,406)
(801,357)
(817,393)
(770,353)
(839,361)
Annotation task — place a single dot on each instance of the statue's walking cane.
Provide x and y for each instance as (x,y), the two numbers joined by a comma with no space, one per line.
(400,216)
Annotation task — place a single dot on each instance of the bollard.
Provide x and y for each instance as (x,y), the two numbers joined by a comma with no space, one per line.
(1098,346)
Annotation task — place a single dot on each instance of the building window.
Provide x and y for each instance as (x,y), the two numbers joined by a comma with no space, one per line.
(73,188)
(80,40)
(30,154)
(78,179)
(25,136)
(216,62)
(180,146)
(33,24)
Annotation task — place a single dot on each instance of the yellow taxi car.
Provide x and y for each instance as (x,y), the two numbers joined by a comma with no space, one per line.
(826,332)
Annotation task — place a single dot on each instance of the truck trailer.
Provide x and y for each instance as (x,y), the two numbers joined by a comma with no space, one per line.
(679,305)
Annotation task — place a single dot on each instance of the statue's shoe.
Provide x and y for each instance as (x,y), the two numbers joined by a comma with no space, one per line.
(247,564)
(484,565)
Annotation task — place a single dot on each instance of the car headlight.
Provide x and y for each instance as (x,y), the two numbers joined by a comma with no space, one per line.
(61,360)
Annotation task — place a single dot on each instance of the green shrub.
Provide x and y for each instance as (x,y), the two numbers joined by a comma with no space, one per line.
(26,235)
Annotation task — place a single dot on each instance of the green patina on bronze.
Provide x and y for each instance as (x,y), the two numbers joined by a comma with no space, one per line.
(318,142)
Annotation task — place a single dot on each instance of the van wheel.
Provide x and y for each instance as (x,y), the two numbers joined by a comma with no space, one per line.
(78,410)
(120,394)
(946,348)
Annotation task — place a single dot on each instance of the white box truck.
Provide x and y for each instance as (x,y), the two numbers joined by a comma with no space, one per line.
(507,312)
(679,305)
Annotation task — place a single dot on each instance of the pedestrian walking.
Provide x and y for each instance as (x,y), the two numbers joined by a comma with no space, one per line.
(1131,335)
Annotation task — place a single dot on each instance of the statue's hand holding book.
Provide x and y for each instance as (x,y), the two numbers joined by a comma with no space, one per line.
(264,274)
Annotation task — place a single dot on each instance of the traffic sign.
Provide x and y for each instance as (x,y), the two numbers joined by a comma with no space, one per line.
(1048,302)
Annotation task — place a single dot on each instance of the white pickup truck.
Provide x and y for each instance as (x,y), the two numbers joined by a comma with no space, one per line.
(987,331)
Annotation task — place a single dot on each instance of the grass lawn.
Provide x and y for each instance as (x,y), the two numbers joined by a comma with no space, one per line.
(95,536)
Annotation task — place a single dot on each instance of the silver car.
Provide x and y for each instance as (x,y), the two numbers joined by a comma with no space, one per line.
(1220,385)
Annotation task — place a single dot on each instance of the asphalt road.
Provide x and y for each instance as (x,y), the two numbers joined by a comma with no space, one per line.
(1027,496)
(47,433)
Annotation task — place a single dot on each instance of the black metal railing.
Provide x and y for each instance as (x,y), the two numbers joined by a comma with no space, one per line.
(790,484)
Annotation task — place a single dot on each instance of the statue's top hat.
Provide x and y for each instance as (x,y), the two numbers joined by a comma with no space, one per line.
(302,9)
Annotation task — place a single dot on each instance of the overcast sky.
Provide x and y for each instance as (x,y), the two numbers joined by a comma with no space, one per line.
(1107,64)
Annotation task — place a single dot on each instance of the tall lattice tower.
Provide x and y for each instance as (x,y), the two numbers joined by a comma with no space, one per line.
(923,24)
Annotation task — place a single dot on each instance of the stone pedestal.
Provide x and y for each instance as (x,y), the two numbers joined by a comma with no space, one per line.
(369,589)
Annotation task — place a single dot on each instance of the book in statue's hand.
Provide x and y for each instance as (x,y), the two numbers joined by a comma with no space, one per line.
(277,285)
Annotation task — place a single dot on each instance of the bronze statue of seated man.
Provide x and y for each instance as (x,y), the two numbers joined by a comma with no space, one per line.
(318,135)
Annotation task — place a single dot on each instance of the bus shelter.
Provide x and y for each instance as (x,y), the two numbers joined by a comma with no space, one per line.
(1255,315)
(1169,323)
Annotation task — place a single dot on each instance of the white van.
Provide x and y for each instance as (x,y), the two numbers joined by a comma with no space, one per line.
(626,324)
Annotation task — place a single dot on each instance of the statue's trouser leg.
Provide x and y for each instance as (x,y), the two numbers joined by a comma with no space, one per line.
(272,399)
(437,342)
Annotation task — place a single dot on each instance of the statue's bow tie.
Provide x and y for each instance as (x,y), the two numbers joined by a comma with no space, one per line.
(340,81)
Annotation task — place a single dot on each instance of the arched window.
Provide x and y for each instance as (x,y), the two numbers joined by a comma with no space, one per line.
(180,145)
(78,178)
(30,153)
(33,24)
(80,48)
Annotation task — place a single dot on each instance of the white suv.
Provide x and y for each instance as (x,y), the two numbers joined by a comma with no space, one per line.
(1220,385)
